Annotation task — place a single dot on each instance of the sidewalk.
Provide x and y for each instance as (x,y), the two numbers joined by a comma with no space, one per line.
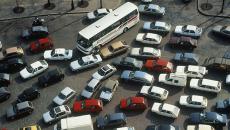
(35,7)
(216,8)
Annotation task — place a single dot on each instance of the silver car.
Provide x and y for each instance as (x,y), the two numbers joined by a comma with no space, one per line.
(104,72)
(152,9)
(145,53)
(137,77)
(157,27)
(108,90)
(91,88)
(64,96)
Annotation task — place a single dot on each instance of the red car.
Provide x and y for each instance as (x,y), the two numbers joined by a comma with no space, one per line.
(133,103)
(88,105)
(41,45)
(159,65)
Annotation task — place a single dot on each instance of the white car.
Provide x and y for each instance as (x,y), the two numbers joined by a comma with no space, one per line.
(193,101)
(157,27)
(149,38)
(146,1)
(227,81)
(165,109)
(192,71)
(200,127)
(58,54)
(104,72)
(206,85)
(56,114)
(64,96)
(85,62)
(151,9)
(175,79)
(125,128)
(145,52)
(188,30)
(154,92)
(34,69)
(91,88)
(99,13)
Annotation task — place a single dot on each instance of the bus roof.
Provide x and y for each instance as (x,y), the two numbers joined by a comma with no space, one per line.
(103,23)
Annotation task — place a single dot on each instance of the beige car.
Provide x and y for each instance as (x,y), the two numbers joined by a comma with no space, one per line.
(13,52)
(114,49)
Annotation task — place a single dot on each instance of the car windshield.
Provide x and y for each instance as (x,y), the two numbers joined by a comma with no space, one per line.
(43,62)
(185,68)
(167,76)
(80,61)
(200,82)
(83,42)
(62,96)
(101,72)
(29,69)
(189,99)
(108,90)
(131,74)
(110,48)
(95,12)
(67,52)
(129,101)
(52,113)
(106,119)
(82,104)
(90,89)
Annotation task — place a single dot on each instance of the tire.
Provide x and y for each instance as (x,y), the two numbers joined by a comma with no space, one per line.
(125,30)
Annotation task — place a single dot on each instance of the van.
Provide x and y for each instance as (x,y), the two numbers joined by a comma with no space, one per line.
(175,79)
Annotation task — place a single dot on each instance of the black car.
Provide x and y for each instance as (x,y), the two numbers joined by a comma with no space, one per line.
(163,127)
(111,120)
(4,79)
(211,118)
(186,58)
(4,94)
(12,65)
(128,63)
(19,110)
(218,64)
(223,105)
(35,32)
(51,77)
(28,95)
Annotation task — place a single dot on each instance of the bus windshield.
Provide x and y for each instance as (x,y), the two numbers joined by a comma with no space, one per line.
(83,42)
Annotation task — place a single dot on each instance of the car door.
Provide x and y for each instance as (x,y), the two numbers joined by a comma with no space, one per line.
(186,32)
(61,56)
(192,33)
(55,56)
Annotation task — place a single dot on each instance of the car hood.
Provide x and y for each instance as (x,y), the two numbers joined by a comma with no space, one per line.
(97,76)
(58,101)
(90,15)
(46,117)
(217,28)
(74,65)
(25,74)
(105,52)
(139,37)
(10,112)
(144,89)
(100,121)
(47,54)
(178,29)
(106,96)
(162,78)
(183,100)
(146,25)
(86,94)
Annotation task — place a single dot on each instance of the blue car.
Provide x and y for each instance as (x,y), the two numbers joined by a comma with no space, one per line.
(186,58)
(223,105)
(211,118)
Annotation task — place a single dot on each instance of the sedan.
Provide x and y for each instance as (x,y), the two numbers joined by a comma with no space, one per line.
(99,13)
(152,9)
(28,95)
(128,63)
(165,109)
(188,30)
(211,118)
(154,92)
(207,85)
(31,127)
(186,58)
(222,30)
(35,32)
(159,65)
(4,94)
(111,120)
(91,89)
(104,72)
(89,105)
(183,42)
(193,101)
(137,77)
(223,105)
(200,127)
(34,69)
(114,49)
(58,54)
(108,90)
(85,62)
(19,110)
(41,45)
(192,71)
(64,96)
(149,38)
(163,127)
(56,114)
(145,53)
(157,27)
(4,79)
(133,103)
(12,65)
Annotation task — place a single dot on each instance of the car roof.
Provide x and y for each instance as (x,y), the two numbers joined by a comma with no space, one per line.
(165,127)
(60,50)
(44,40)
(153,6)
(88,58)
(11,50)
(160,24)
(116,116)
(4,76)
(117,44)
(91,102)
(194,68)
(137,99)
(227,28)
(158,90)
(162,62)
(110,83)
(39,28)
(23,105)
(148,49)
(197,98)
(209,82)
(36,64)
(169,107)
(29,90)
(152,36)
(55,71)
(93,82)
(66,90)
(140,74)
(59,109)
(106,68)
(191,27)
(102,10)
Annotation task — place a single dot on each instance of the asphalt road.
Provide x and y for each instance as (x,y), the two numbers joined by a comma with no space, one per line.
(64,30)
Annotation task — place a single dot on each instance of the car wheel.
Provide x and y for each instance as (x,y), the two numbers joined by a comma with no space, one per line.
(125,30)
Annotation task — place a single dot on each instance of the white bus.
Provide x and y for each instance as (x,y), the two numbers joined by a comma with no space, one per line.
(91,38)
